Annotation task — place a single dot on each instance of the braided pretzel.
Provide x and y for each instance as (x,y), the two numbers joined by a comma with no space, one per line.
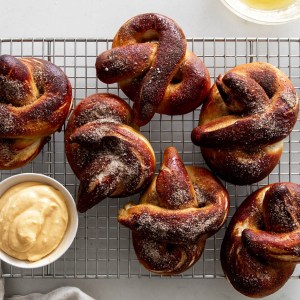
(110,158)
(261,245)
(150,62)
(177,213)
(35,99)
(247,114)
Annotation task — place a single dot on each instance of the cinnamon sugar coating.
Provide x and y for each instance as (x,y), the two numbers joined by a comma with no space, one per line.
(182,207)
(35,99)
(261,246)
(242,124)
(150,62)
(109,157)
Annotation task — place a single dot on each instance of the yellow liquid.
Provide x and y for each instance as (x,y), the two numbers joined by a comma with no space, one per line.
(269,4)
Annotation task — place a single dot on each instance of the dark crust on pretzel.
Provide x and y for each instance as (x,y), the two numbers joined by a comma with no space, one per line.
(110,158)
(150,62)
(177,213)
(261,245)
(247,114)
(35,99)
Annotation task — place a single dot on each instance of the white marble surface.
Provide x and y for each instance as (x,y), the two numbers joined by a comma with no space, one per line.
(102,18)
(150,289)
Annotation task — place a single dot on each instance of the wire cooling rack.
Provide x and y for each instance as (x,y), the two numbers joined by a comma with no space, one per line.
(102,248)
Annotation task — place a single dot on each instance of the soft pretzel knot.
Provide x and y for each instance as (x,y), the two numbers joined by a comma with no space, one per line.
(110,158)
(243,122)
(150,62)
(36,97)
(262,243)
(182,207)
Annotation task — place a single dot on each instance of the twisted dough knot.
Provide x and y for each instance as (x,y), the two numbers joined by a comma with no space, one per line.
(177,213)
(150,62)
(262,243)
(110,158)
(35,99)
(247,114)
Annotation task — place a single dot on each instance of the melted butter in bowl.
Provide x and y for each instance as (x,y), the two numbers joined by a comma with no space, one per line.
(38,220)
(266,12)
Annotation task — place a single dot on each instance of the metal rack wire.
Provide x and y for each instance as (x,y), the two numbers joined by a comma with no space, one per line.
(102,248)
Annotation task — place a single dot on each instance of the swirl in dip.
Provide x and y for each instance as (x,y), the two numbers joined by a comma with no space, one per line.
(33,220)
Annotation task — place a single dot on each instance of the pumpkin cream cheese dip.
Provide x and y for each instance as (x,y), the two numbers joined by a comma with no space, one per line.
(33,220)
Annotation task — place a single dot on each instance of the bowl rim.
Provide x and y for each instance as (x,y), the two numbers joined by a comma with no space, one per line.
(249,15)
(71,230)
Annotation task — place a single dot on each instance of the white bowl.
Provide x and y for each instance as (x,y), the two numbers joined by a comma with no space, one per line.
(264,16)
(72,223)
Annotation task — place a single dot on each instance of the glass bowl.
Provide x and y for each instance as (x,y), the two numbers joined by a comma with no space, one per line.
(265,12)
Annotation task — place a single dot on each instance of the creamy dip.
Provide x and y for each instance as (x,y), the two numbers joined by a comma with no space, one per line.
(33,220)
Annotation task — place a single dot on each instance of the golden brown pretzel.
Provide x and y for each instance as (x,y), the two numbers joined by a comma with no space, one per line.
(35,99)
(150,62)
(247,114)
(177,213)
(110,158)
(262,243)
